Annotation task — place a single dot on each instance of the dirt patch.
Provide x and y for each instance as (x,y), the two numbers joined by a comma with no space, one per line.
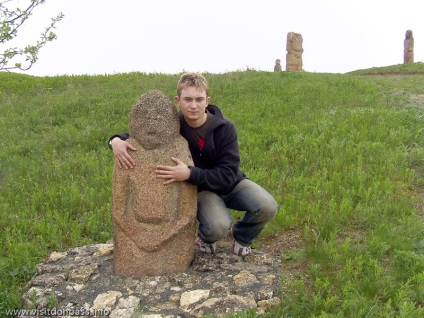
(417,100)
(288,245)
(386,73)
(278,244)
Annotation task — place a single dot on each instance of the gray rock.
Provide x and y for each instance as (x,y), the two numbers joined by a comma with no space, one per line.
(231,284)
(190,298)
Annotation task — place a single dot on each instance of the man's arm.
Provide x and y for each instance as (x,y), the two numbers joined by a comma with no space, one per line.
(180,172)
(120,148)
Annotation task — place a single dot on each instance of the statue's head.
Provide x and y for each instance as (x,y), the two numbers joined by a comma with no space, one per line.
(154,120)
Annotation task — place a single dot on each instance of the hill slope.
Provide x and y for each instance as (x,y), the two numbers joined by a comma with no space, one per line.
(342,154)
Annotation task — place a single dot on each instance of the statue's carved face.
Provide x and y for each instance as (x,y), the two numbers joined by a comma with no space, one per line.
(154,120)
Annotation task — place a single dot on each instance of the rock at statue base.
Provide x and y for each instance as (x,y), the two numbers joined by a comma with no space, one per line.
(153,224)
(294,49)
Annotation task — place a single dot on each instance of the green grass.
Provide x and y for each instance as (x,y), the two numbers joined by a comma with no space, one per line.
(343,154)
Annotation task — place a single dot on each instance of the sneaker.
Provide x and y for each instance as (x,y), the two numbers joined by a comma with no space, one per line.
(206,247)
(241,250)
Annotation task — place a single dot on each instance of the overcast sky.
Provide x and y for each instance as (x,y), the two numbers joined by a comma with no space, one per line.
(169,36)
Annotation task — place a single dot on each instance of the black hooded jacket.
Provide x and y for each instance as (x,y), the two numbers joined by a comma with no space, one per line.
(217,165)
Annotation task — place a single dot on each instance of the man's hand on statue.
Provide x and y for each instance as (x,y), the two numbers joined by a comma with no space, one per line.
(180,172)
(120,150)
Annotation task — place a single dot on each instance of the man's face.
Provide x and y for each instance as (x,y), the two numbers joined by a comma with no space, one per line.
(192,103)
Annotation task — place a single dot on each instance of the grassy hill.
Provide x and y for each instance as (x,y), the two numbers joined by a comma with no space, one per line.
(343,154)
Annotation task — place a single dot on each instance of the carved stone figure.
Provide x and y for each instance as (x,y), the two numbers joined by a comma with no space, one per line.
(277,67)
(408,48)
(294,52)
(153,224)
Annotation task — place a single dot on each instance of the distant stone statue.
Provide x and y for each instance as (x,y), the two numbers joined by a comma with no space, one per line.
(294,52)
(408,48)
(277,67)
(153,224)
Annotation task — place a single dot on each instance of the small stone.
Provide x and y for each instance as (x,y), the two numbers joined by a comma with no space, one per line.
(81,274)
(79,287)
(224,305)
(192,297)
(47,268)
(153,283)
(125,308)
(48,280)
(245,278)
(105,301)
(174,298)
(267,304)
(269,280)
(29,297)
(104,250)
(56,256)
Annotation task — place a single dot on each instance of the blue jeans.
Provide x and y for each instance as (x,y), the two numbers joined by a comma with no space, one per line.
(215,218)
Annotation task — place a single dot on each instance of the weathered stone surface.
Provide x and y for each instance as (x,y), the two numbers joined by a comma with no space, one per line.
(55,256)
(408,48)
(82,273)
(265,305)
(106,300)
(245,278)
(126,307)
(294,49)
(189,298)
(153,224)
(48,280)
(277,67)
(230,284)
(224,305)
(104,250)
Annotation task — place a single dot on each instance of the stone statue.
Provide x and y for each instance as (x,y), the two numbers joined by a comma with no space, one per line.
(277,67)
(408,48)
(294,52)
(153,224)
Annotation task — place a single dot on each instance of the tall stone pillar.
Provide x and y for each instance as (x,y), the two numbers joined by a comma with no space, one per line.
(294,52)
(408,48)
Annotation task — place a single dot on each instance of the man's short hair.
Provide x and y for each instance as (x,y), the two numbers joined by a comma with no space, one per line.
(192,79)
